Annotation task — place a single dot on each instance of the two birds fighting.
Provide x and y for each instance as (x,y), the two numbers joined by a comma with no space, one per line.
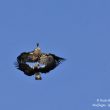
(44,62)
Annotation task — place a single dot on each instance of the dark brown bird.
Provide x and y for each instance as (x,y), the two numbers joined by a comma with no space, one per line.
(44,62)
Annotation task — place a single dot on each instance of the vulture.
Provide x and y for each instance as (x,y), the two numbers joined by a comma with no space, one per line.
(43,62)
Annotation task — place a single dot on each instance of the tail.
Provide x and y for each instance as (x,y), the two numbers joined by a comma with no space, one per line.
(38,76)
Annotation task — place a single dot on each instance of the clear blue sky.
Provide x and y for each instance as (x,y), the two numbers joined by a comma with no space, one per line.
(78,30)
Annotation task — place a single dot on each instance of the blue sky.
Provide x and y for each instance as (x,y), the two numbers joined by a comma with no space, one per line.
(78,30)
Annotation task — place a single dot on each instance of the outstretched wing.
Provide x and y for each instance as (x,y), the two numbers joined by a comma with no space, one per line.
(58,59)
(51,61)
(26,57)
(25,68)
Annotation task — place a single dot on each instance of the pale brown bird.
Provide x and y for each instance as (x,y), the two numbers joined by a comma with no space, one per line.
(44,62)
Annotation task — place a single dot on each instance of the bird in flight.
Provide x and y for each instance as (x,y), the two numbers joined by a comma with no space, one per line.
(43,62)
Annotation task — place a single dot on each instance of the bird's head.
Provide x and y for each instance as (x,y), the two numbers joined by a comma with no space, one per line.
(37,44)
(37,50)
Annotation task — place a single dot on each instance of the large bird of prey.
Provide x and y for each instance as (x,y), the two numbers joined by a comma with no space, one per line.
(44,63)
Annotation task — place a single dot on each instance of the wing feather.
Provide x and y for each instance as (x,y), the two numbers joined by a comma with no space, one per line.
(25,68)
(51,63)
(26,57)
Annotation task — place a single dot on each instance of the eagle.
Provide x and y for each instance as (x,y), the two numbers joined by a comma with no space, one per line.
(43,62)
